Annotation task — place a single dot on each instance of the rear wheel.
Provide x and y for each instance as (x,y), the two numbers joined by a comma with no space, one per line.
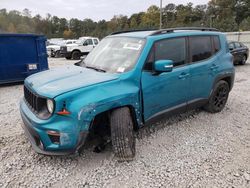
(76,55)
(244,60)
(122,134)
(218,99)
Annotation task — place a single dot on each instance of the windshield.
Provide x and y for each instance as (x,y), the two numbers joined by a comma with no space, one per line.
(79,41)
(115,54)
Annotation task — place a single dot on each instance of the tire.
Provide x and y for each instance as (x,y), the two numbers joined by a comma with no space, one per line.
(57,54)
(122,134)
(76,55)
(244,60)
(218,99)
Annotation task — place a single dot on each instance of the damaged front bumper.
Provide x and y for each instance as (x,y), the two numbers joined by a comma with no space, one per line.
(69,141)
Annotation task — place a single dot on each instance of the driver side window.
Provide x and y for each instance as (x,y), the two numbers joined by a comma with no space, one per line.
(169,49)
(88,42)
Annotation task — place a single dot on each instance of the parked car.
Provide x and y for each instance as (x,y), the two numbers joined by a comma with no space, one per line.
(239,51)
(82,47)
(129,80)
(53,50)
(21,55)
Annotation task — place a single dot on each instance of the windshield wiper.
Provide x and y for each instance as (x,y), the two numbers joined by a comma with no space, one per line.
(95,68)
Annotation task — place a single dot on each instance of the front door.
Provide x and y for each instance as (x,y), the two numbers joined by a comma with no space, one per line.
(166,91)
(88,45)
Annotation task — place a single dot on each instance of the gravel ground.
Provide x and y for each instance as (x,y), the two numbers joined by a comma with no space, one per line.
(196,149)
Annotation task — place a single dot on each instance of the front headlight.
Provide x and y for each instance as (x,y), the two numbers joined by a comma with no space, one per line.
(50,105)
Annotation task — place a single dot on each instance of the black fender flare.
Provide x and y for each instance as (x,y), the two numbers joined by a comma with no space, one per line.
(229,77)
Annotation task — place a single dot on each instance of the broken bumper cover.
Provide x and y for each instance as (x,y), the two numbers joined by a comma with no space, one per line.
(40,140)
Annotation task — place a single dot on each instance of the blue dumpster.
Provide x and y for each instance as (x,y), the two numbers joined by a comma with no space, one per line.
(21,55)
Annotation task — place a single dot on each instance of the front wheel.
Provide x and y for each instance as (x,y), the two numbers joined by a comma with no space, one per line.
(122,134)
(218,99)
(76,55)
(57,54)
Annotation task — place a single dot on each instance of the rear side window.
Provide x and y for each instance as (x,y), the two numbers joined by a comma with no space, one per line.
(95,41)
(216,41)
(200,48)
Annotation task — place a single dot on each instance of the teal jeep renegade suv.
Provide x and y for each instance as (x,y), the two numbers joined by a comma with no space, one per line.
(130,79)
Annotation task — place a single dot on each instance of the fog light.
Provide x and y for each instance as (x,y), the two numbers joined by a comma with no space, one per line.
(54,137)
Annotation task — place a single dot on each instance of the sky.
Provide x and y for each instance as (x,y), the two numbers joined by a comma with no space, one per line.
(81,9)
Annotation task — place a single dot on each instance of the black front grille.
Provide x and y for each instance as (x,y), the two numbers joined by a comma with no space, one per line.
(35,102)
(63,49)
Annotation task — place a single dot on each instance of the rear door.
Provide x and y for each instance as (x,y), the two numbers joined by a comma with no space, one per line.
(166,91)
(204,66)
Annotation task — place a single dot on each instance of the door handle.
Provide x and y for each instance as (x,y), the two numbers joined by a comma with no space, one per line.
(183,75)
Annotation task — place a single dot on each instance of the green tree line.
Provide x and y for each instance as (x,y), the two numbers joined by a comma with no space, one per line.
(226,15)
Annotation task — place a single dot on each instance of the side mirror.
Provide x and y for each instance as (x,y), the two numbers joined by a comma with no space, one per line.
(85,44)
(163,65)
(230,49)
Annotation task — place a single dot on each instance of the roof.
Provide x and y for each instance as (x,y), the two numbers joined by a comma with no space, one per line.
(146,33)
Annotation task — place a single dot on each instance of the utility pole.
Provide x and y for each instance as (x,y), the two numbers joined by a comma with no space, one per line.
(160,14)
(211,22)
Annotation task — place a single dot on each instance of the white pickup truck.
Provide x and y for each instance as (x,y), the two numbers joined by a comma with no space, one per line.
(53,50)
(82,47)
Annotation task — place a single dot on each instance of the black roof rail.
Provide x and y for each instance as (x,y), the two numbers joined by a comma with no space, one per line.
(170,30)
(134,30)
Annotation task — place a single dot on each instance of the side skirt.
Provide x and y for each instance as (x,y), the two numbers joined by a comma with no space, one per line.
(179,109)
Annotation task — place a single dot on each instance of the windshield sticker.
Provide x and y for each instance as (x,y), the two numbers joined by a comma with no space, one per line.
(121,69)
(132,46)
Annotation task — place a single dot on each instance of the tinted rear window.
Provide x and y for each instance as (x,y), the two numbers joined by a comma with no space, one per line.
(200,48)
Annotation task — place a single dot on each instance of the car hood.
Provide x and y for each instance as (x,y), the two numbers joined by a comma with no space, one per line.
(53,46)
(72,45)
(54,82)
